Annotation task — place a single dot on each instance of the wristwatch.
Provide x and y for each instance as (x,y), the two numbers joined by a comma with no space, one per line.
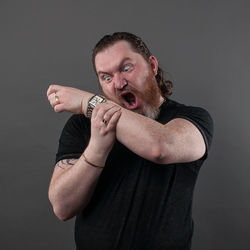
(93,101)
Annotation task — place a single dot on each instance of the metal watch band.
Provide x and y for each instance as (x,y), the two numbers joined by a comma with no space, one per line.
(93,101)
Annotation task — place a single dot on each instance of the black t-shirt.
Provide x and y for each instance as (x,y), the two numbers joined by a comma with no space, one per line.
(137,204)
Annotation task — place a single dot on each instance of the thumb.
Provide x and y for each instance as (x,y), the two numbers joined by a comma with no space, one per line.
(59,108)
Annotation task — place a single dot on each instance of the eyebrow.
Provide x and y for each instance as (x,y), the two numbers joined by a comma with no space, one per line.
(121,63)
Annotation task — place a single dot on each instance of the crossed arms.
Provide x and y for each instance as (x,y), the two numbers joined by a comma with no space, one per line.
(74,181)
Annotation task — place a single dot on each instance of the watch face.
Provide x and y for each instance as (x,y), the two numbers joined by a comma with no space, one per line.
(93,102)
(96,100)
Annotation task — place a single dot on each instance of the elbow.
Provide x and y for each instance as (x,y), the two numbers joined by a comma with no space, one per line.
(161,152)
(60,210)
(158,157)
(157,153)
(61,214)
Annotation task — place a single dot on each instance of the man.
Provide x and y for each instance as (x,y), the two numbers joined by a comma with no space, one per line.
(128,173)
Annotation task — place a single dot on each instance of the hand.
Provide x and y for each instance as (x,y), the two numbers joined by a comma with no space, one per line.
(104,119)
(69,99)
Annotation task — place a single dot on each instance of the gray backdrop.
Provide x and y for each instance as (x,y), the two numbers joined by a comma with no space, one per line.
(205,47)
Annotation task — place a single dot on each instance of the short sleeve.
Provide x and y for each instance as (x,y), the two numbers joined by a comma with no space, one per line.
(202,120)
(74,138)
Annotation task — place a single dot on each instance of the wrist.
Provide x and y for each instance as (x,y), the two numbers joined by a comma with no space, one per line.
(90,163)
(84,102)
(95,156)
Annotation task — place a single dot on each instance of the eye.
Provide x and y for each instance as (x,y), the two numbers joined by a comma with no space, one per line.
(106,78)
(127,68)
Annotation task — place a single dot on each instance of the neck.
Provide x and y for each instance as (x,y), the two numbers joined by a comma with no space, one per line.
(162,100)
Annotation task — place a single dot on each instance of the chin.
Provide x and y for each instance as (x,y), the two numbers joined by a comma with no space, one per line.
(149,112)
(152,113)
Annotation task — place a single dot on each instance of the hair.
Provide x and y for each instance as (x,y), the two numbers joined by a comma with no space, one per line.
(138,46)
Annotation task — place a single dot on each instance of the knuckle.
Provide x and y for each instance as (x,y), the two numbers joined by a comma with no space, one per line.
(51,86)
(49,90)
(106,117)
(63,90)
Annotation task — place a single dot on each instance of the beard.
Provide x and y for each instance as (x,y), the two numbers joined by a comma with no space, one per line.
(150,96)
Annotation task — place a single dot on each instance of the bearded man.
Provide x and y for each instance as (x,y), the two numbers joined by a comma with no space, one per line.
(128,159)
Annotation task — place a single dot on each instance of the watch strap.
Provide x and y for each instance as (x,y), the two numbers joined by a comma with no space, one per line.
(94,101)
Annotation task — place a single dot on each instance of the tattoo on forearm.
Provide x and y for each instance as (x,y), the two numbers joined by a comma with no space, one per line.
(68,162)
(58,165)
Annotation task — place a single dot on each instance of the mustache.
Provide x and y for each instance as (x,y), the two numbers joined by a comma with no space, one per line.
(127,88)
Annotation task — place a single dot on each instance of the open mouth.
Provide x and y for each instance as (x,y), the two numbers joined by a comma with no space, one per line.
(129,99)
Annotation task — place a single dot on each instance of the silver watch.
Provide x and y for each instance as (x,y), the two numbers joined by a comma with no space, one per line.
(93,101)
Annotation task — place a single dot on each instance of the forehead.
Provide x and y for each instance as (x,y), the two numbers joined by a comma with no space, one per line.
(114,54)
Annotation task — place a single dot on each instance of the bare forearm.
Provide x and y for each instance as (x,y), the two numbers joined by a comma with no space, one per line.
(140,134)
(71,191)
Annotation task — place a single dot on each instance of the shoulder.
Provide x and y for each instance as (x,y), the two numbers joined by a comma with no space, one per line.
(197,114)
(171,109)
(178,110)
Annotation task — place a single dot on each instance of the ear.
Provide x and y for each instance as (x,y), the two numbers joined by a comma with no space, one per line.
(154,64)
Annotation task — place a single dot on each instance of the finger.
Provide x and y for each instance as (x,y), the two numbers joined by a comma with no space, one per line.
(54,101)
(52,96)
(94,112)
(103,106)
(59,108)
(102,110)
(109,113)
(53,89)
(114,119)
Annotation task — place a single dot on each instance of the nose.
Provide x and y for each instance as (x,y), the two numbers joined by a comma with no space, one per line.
(119,81)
